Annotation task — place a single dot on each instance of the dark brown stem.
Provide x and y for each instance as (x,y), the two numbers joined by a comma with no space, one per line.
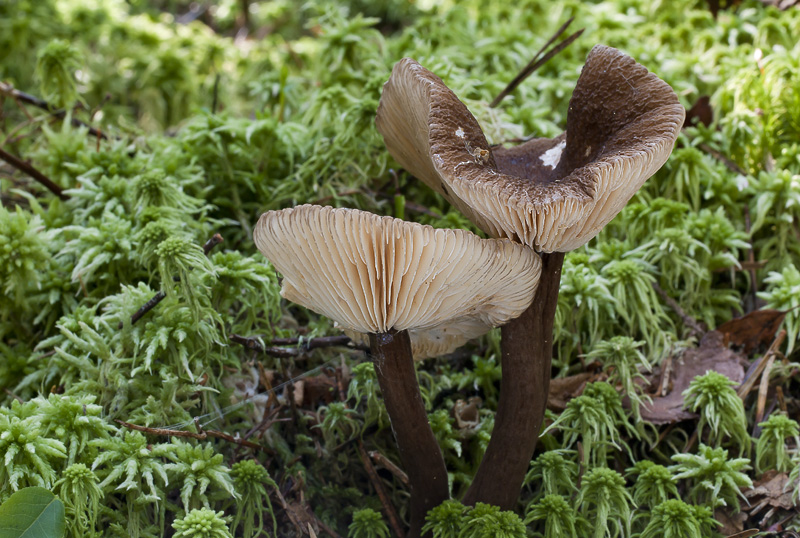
(527,350)
(419,451)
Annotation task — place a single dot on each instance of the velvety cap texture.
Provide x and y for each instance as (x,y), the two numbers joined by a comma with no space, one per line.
(371,274)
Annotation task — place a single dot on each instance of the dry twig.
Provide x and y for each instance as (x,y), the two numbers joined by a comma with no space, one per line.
(748,384)
(11,91)
(694,326)
(252,343)
(391,513)
(535,64)
(215,240)
(23,166)
(201,435)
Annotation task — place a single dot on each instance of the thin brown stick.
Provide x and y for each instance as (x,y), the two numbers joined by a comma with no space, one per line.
(20,400)
(289,512)
(729,164)
(322,525)
(692,324)
(388,508)
(781,399)
(535,64)
(23,166)
(389,465)
(692,440)
(287,374)
(11,91)
(313,343)
(209,245)
(763,388)
(751,258)
(11,139)
(202,435)
(146,307)
(745,388)
(215,240)
(252,343)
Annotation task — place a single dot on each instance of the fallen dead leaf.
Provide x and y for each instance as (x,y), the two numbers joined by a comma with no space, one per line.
(731,523)
(755,329)
(711,355)
(467,414)
(768,490)
(700,112)
(563,389)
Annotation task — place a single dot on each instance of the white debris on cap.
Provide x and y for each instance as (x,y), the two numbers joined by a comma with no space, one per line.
(622,124)
(374,274)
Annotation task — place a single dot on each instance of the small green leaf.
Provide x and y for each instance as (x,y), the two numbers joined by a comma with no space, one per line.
(32,513)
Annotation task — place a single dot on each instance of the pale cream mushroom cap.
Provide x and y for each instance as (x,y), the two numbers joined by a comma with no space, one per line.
(550,194)
(373,274)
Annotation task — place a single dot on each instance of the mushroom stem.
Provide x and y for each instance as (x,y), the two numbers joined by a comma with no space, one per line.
(420,453)
(527,350)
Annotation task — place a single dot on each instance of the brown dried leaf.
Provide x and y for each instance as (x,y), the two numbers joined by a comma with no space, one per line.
(563,389)
(731,523)
(711,355)
(700,112)
(467,414)
(755,329)
(770,488)
(316,390)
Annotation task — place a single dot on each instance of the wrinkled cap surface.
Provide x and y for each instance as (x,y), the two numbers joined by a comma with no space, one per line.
(550,194)
(371,274)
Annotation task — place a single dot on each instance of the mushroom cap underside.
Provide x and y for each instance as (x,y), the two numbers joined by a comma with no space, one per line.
(435,341)
(550,194)
(372,274)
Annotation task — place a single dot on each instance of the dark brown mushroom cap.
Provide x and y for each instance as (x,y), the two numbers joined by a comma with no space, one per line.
(372,274)
(550,194)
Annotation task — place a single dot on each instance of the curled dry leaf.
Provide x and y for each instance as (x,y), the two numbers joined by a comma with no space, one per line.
(700,112)
(467,413)
(752,330)
(770,490)
(712,354)
(563,389)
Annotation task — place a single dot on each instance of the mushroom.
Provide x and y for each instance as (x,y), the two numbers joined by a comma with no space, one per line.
(434,341)
(387,278)
(552,195)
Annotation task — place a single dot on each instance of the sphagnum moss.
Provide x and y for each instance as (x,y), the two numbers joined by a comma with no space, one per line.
(290,121)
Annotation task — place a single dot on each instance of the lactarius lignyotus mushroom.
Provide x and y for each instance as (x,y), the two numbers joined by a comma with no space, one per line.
(387,278)
(552,195)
